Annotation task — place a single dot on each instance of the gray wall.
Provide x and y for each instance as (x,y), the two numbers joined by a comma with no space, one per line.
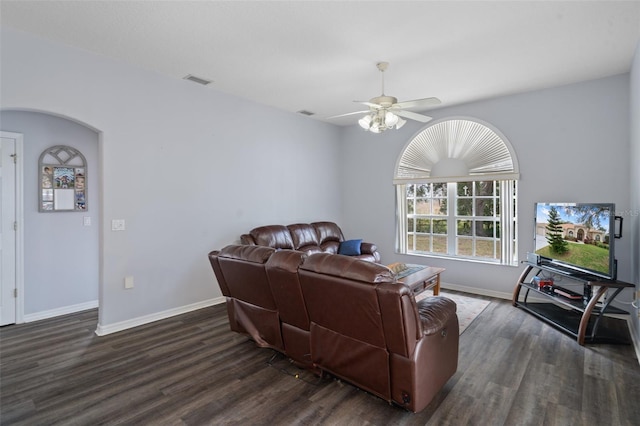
(188,168)
(572,144)
(60,253)
(634,162)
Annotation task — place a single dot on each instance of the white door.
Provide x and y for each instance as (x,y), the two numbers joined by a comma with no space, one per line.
(8,222)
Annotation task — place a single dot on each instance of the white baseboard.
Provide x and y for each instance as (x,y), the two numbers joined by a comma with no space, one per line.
(60,311)
(103,330)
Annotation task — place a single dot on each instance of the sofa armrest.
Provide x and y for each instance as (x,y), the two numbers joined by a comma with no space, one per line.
(435,312)
(370,249)
(215,264)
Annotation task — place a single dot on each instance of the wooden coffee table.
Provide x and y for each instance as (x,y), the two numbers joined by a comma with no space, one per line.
(424,279)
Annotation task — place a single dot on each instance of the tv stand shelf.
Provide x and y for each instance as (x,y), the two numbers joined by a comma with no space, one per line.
(580,318)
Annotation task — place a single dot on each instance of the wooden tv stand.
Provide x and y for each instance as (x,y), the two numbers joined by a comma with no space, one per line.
(571,315)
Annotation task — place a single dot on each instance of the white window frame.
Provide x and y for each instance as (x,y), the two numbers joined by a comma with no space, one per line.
(505,219)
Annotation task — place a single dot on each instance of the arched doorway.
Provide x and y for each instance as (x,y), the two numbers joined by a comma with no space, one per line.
(61,249)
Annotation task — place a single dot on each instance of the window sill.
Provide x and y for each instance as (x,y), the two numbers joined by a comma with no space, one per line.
(461,259)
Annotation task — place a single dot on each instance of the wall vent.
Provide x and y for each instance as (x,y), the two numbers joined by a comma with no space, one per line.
(198,80)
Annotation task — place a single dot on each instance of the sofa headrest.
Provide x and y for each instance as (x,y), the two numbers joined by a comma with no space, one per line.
(348,267)
(247,240)
(286,260)
(328,231)
(255,254)
(276,236)
(303,234)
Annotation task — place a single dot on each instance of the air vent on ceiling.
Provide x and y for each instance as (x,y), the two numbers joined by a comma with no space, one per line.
(305,112)
(198,80)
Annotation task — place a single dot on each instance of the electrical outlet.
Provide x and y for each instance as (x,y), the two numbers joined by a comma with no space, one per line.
(117,225)
(128,282)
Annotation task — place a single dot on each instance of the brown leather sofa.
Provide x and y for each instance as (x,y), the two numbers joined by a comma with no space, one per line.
(343,316)
(316,237)
(251,308)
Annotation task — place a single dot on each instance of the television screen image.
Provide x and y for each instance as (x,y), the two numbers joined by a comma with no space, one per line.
(579,236)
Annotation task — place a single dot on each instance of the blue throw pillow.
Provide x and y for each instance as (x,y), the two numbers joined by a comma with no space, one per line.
(350,247)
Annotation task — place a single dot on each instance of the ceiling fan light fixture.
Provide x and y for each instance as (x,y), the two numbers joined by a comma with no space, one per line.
(365,122)
(390,119)
(381,120)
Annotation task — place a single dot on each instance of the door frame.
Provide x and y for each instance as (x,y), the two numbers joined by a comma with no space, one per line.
(19,194)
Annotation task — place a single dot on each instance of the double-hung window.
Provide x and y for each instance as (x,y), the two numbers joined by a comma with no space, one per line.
(457,213)
(462,219)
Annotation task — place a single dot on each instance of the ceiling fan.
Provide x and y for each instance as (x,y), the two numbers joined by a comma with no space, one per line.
(385,112)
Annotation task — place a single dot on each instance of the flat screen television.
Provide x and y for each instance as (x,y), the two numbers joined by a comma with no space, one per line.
(577,237)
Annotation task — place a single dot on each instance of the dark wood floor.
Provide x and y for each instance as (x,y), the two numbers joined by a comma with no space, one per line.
(190,369)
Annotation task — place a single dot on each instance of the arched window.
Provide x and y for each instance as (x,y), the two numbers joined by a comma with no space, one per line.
(456,193)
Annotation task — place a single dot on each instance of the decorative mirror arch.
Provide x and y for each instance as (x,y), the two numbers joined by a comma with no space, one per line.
(457,149)
(63,180)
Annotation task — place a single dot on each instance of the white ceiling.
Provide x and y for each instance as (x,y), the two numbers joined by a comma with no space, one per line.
(319,56)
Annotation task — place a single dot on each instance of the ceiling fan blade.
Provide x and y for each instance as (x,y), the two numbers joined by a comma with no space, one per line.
(412,115)
(419,103)
(349,113)
(369,104)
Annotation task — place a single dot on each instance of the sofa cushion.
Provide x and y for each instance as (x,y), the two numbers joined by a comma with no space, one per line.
(350,248)
(276,236)
(328,231)
(303,235)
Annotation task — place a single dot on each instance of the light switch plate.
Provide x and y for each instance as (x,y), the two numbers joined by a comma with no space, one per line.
(86,221)
(117,225)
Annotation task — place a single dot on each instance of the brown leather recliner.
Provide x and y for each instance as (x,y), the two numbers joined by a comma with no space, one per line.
(282,271)
(367,329)
(251,308)
(316,237)
(268,308)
